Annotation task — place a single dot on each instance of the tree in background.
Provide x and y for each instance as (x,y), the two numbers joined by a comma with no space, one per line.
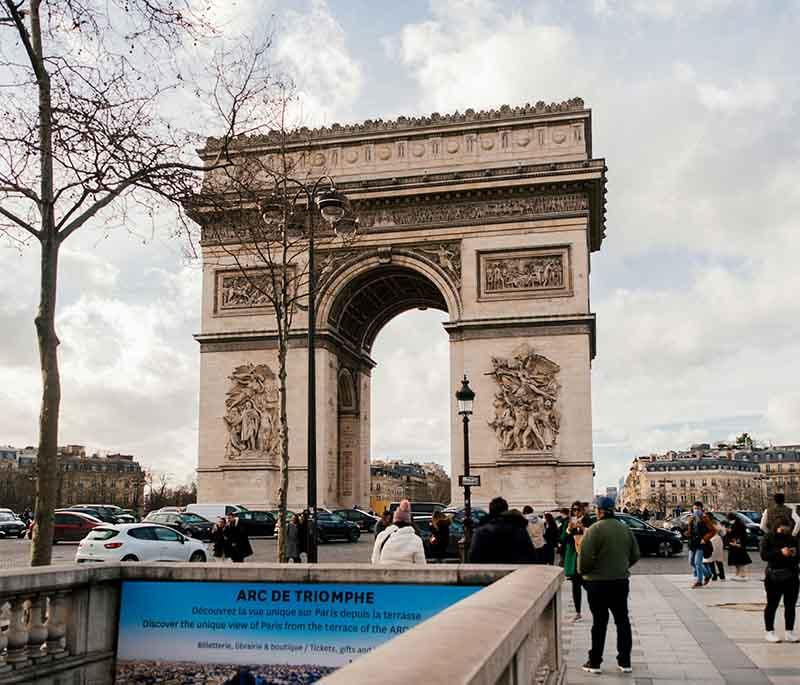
(86,88)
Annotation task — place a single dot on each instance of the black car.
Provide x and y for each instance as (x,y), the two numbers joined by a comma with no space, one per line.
(100,514)
(423,526)
(333,527)
(477,514)
(366,522)
(257,523)
(11,526)
(189,524)
(652,540)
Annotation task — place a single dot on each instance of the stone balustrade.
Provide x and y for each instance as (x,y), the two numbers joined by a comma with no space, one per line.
(58,625)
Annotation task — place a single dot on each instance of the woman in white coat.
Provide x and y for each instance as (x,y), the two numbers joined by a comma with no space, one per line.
(399,543)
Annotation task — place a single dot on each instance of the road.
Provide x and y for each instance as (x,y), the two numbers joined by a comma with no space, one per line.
(16,553)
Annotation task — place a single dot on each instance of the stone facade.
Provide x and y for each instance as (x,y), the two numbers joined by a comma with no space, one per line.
(491,217)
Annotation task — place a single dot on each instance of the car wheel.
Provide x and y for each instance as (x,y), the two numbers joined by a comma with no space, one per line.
(664,549)
(197,557)
(130,557)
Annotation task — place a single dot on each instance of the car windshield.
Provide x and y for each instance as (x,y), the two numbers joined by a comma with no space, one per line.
(101,534)
(754,516)
(194,518)
(6,517)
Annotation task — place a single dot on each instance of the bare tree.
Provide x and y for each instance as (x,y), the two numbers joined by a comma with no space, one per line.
(83,139)
(258,215)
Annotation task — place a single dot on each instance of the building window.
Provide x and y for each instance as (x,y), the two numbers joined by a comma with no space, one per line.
(705,483)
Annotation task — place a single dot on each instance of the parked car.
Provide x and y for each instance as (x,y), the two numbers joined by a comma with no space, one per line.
(214,510)
(69,526)
(365,522)
(653,540)
(277,512)
(754,516)
(257,523)
(332,527)
(139,542)
(11,526)
(192,525)
(477,514)
(104,512)
(423,526)
(420,508)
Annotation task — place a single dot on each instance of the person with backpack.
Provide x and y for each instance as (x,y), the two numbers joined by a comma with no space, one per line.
(399,543)
(701,530)
(502,538)
(779,549)
(777,512)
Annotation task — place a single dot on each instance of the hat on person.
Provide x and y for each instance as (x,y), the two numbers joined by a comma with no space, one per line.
(605,503)
(403,512)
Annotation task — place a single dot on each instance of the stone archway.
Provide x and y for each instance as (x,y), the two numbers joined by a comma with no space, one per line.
(489,216)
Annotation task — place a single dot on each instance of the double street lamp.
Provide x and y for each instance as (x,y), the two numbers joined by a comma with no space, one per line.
(333,207)
(466,397)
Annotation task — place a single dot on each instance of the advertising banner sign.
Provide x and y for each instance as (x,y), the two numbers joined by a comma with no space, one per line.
(262,633)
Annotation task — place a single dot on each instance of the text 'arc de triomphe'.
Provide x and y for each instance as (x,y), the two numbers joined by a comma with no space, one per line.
(490,217)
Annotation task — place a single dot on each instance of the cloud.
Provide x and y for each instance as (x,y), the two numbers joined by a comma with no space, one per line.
(659,9)
(314,51)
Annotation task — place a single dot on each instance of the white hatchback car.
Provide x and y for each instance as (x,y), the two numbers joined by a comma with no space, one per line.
(139,542)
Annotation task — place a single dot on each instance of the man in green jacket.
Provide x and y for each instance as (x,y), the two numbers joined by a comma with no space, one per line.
(608,551)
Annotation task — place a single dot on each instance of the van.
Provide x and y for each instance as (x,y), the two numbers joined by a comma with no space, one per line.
(214,511)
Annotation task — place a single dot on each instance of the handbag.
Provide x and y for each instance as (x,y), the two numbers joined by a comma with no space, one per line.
(708,550)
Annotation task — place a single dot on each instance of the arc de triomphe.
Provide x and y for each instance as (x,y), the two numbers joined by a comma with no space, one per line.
(490,217)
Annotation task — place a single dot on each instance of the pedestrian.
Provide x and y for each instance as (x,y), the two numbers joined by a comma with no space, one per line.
(399,543)
(645,515)
(535,530)
(384,522)
(550,539)
(237,544)
(502,538)
(737,547)
(778,511)
(563,522)
(572,538)
(701,530)
(293,540)
(218,540)
(302,533)
(440,535)
(781,578)
(607,552)
(714,561)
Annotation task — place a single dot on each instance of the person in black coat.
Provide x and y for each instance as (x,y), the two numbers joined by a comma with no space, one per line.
(237,544)
(781,578)
(440,535)
(218,539)
(737,547)
(503,538)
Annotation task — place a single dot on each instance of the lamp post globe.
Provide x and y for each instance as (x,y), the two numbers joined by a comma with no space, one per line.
(465,397)
(331,204)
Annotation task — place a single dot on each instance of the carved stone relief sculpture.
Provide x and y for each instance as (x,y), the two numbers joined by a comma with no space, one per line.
(242,292)
(524,273)
(447,256)
(526,415)
(252,413)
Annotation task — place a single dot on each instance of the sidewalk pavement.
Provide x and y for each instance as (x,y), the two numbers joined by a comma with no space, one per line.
(712,635)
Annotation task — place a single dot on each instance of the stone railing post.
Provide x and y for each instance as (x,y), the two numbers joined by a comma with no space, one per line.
(56,624)
(18,633)
(37,630)
(4,616)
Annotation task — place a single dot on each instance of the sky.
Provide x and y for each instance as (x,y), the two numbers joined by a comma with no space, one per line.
(695,109)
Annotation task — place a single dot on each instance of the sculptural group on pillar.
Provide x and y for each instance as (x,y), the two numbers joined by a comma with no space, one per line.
(526,416)
(252,412)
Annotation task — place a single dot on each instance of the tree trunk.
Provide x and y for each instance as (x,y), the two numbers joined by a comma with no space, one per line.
(47,459)
(284,487)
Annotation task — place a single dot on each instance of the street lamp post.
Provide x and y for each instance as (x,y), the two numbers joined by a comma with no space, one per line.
(466,397)
(332,206)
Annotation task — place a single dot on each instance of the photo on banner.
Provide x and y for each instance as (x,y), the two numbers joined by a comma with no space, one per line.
(262,633)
